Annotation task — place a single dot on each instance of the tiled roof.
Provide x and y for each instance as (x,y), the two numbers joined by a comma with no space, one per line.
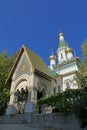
(38,62)
(53,73)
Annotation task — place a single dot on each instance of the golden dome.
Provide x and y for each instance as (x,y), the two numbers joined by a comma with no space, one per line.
(68,49)
(61,34)
(52,57)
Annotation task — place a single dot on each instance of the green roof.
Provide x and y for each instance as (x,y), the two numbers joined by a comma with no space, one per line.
(53,73)
(62,44)
(38,62)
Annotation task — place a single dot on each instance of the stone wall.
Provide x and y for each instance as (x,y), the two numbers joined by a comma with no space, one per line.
(39,122)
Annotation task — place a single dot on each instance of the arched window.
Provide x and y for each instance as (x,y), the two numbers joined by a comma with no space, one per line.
(61,56)
(54,91)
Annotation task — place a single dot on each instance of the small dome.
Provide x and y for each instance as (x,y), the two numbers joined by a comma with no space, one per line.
(61,34)
(52,57)
(68,49)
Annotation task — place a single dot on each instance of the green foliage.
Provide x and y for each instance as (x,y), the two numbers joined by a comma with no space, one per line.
(82,74)
(5,66)
(62,101)
(80,107)
(71,100)
(84,49)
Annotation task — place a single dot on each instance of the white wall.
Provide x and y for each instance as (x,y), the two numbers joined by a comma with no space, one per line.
(71,82)
(69,69)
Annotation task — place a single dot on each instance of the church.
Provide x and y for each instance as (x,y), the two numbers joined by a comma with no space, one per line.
(31,79)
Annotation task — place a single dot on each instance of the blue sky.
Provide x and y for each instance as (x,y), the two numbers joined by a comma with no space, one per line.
(37,23)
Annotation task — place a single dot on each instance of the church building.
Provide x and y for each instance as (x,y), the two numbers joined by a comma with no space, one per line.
(31,79)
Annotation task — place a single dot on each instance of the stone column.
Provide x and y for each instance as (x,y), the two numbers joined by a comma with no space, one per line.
(30,105)
(11,109)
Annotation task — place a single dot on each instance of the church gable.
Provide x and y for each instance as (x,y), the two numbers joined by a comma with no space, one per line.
(23,67)
(28,62)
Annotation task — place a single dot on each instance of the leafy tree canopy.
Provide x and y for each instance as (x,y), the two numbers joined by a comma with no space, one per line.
(82,74)
(6,63)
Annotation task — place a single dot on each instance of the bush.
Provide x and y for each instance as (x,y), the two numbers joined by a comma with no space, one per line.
(71,100)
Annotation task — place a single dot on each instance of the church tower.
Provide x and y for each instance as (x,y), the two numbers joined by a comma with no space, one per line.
(61,53)
(67,66)
(64,52)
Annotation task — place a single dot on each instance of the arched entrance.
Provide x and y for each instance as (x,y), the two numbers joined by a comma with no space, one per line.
(21,84)
(21,95)
(40,94)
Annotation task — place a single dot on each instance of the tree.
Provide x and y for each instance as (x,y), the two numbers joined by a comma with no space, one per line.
(80,107)
(5,66)
(82,74)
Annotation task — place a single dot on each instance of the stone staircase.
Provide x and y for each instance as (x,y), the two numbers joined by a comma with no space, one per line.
(39,122)
(21,122)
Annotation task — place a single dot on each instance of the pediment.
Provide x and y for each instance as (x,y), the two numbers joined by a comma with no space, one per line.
(23,67)
(28,62)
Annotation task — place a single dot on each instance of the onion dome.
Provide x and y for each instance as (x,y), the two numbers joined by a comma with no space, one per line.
(62,42)
(52,57)
(68,49)
(61,34)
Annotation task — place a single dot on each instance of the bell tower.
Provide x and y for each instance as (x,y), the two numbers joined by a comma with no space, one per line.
(61,51)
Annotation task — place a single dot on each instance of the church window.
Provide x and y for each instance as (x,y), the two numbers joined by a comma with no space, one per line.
(61,56)
(40,94)
(54,91)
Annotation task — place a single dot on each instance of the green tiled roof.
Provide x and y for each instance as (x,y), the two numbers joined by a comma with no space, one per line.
(38,62)
(53,73)
(62,44)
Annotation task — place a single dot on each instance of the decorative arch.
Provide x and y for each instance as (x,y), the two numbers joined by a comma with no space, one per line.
(20,96)
(42,89)
(21,84)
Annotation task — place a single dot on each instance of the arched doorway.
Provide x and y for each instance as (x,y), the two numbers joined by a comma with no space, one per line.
(21,95)
(40,94)
(21,84)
